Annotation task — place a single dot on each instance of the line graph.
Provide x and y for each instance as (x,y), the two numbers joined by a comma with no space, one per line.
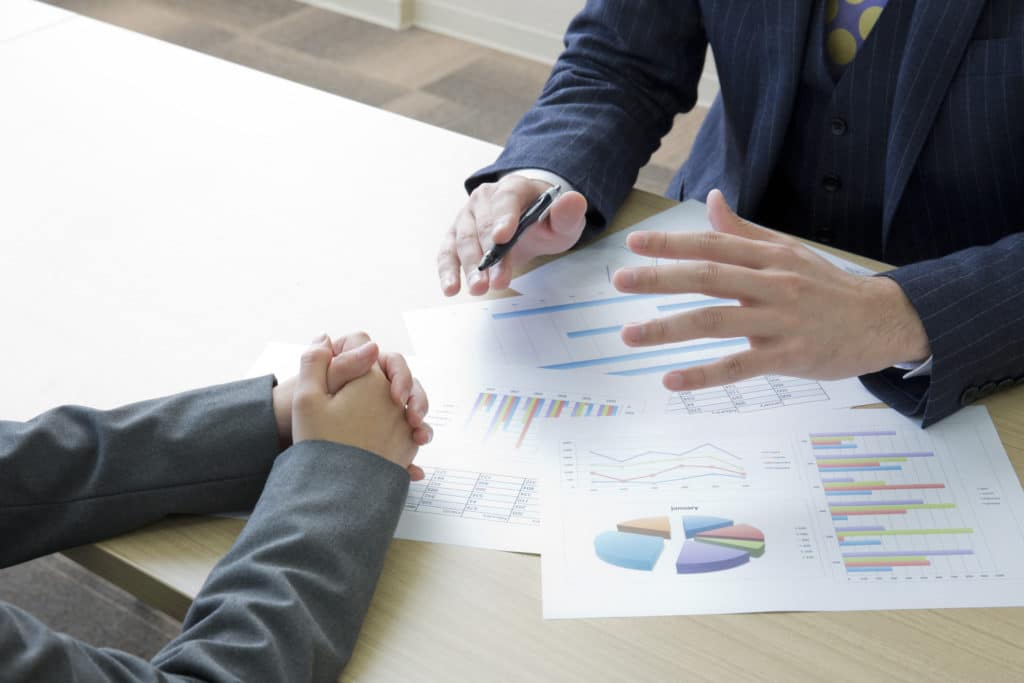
(632,468)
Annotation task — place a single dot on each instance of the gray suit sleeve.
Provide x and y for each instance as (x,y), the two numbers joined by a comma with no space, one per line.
(76,475)
(285,604)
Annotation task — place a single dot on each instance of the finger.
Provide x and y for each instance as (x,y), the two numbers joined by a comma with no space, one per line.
(723,219)
(710,246)
(313,368)
(448,264)
(418,404)
(728,370)
(416,473)
(350,341)
(423,435)
(717,322)
(701,277)
(568,214)
(467,246)
(400,376)
(350,365)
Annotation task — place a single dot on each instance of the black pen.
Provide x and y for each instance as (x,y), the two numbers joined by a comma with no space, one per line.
(534,214)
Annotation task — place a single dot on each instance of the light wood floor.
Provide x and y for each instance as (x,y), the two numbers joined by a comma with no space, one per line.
(432,78)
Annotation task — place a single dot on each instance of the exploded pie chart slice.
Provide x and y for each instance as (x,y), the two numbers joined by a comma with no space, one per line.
(741,532)
(629,551)
(648,526)
(695,524)
(698,558)
(755,548)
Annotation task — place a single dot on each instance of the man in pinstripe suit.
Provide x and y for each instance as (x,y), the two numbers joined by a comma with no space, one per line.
(894,129)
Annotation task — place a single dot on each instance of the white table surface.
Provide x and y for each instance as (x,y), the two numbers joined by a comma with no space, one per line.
(165,214)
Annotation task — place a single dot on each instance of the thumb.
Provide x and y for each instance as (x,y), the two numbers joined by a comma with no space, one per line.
(313,368)
(568,214)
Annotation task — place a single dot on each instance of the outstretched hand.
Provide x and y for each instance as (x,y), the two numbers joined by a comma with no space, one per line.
(802,315)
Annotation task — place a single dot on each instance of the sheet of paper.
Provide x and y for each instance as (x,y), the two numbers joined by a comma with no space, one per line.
(593,265)
(482,468)
(824,510)
(578,330)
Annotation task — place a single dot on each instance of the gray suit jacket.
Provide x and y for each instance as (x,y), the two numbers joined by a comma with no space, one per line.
(287,601)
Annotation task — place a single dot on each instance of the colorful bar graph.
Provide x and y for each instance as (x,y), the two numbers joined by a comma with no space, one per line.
(555,408)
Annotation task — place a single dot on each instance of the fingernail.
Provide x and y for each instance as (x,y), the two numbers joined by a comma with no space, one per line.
(448,282)
(364,350)
(640,239)
(634,333)
(628,278)
(474,277)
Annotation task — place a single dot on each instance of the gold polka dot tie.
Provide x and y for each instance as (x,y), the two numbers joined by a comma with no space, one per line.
(847,25)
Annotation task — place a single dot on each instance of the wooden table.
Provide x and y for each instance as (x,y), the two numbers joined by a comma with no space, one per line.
(165,215)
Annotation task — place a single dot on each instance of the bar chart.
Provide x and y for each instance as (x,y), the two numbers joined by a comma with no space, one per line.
(511,416)
(569,331)
(892,512)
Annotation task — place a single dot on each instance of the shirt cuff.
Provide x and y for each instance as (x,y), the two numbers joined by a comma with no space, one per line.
(916,369)
(543,176)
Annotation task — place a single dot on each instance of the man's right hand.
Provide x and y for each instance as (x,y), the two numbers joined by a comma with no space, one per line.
(489,218)
(361,414)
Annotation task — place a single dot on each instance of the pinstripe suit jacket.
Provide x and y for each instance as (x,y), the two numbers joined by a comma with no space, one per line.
(953,185)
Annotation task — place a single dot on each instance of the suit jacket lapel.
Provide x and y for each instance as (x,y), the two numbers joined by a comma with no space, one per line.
(938,36)
(783,52)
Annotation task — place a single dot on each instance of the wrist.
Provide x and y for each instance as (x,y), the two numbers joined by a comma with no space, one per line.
(281,398)
(903,337)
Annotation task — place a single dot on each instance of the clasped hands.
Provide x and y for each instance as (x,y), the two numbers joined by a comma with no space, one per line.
(802,315)
(349,392)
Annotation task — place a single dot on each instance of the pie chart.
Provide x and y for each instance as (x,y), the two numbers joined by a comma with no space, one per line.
(710,544)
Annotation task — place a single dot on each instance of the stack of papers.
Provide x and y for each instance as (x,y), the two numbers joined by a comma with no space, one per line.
(769,494)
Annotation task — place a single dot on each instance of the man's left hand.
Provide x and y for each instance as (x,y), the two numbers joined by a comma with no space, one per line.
(802,316)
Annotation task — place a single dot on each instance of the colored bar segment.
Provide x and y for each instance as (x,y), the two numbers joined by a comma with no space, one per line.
(874,456)
(641,355)
(904,532)
(880,468)
(850,435)
(704,303)
(576,334)
(533,407)
(541,310)
(650,370)
(904,553)
(871,486)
